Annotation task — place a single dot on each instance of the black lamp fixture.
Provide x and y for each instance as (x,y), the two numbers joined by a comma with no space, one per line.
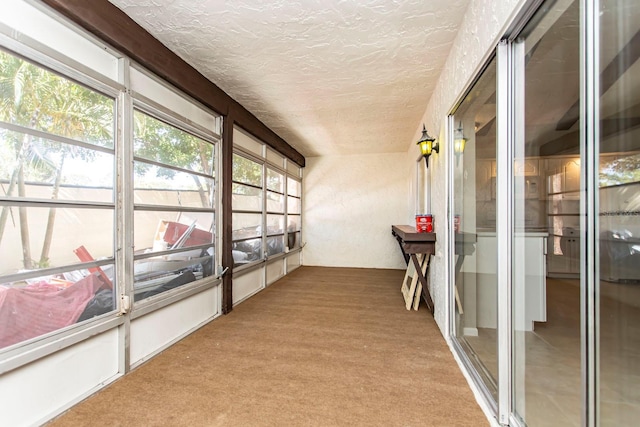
(427,145)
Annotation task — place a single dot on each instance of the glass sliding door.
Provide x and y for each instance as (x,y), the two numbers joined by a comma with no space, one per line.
(547,197)
(619,213)
(474,208)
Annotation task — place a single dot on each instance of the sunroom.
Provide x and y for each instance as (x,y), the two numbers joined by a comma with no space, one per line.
(164,162)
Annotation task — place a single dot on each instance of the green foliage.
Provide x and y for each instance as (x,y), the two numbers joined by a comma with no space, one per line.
(33,97)
(247,171)
(160,142)
(37,98)
(623,170)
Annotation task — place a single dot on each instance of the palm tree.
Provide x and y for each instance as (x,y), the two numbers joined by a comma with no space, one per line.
(36,98)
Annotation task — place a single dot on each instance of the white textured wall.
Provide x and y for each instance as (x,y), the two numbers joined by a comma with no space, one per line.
(349,206)
(481,29)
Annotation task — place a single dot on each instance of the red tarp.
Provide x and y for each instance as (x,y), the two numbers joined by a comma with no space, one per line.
(42,307)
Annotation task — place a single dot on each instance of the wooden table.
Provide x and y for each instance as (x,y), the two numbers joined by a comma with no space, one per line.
(413,243)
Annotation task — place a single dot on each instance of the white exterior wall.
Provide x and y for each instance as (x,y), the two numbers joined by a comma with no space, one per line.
(483,25)
(349,206)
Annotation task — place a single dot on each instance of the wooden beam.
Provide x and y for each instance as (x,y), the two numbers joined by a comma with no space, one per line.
(227,214)
(113,26)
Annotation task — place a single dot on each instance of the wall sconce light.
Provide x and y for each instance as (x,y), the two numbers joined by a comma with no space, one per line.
(459,142)
(427,145)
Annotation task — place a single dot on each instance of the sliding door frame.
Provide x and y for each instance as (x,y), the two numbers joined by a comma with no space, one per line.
(510,73)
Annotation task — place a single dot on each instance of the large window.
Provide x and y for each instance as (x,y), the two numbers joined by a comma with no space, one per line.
(174,206)
(547,248)
(275,212)
(63,225)
(247,210)
(57,209)
(267,203)
(475,209)
(294,212)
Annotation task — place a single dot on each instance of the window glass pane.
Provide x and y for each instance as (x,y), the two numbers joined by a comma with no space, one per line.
(34,238)
(247,251)
(547,194)
(293,168)
(474,206)
(160,231)
(34,307)
(275,245)
(275,202)
(293,187)
(247,171)
(293,205)
(293,240)
(275,181)
(275,224)
(53,170)
(159,274)
(293,223)
(160,142)
(161,186)
(246,226)
(619,213)
(247,142)
(152,87)
(39,99)
(275,158)
(246,198)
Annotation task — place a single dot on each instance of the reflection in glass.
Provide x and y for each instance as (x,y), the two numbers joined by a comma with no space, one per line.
(475,209)
(34,307)
(619,219)
(546,245)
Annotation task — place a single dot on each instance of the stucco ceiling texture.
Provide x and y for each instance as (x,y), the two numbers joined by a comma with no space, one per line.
(330,77)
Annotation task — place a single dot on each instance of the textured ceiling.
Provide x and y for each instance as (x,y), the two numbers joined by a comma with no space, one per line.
(328,76)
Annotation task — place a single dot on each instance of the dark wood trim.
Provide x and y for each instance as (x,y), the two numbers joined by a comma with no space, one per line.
(424,281)
(227,214)
(412,243)
(409,234)
(117,29)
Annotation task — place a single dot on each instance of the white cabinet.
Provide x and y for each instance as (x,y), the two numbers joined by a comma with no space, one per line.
(529,280)
(530,291)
